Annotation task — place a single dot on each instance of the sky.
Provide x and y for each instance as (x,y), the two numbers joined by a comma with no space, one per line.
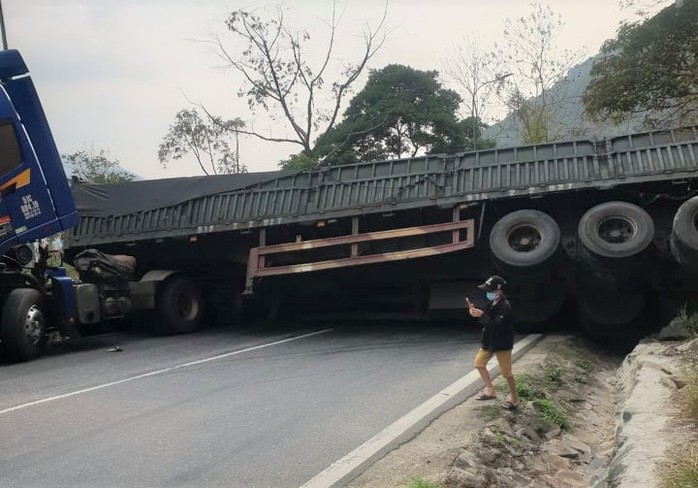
(112,74)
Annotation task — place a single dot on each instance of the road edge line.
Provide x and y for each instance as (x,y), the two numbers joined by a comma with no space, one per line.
(408,426)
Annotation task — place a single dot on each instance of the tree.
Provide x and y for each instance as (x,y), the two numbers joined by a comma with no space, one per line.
(400,112)
(207,138)
(644,8)
(96,167)
(473,69)
(537,65)
(650,68)
(274,62)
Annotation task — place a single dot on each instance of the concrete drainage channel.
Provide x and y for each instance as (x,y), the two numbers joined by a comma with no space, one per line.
(405,428)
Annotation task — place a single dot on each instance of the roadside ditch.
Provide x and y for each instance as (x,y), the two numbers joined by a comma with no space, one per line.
(589,417)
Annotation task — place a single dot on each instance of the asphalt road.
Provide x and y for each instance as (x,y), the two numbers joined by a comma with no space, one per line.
(267,408)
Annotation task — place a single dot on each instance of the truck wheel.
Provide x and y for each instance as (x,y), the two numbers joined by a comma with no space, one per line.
(611,309)
(535,306)
(23,329)
(615,234)
(179,306)
(524,240)
(684,234)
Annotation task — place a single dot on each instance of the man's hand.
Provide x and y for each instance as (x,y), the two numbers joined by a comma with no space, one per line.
(474,312)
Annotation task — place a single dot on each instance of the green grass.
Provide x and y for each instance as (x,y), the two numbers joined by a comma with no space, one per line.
(421,483)
(690,320)
(528,387)
(552,373)
(489,412)
(690,402)
(681,471)
(549,411)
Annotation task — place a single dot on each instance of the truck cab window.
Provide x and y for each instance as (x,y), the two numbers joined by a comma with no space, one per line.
(9,149)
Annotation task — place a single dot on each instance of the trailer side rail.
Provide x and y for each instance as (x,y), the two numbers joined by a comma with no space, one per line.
(258,266)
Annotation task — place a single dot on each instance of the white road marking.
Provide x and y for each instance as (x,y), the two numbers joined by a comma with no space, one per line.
(159,371)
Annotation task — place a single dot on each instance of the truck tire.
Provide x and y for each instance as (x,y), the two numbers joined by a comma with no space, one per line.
(684,234)
(23,328)
(524,241)
(533,312)
(179,306)
(615,235)
(611,309)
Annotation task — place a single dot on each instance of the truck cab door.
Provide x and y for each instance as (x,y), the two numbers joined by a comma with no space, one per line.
(35,199)
(26,208)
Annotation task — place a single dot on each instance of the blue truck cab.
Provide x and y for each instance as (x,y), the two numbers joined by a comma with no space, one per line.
(35,203)
(35,199)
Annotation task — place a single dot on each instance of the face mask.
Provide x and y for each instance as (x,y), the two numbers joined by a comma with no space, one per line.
(491,295)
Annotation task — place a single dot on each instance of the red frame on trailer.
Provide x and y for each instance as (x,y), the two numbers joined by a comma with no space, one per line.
(257,268)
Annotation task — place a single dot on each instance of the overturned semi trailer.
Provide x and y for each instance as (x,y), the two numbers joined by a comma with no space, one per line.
(604,227)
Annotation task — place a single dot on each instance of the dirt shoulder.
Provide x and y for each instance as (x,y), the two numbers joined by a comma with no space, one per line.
(561,436)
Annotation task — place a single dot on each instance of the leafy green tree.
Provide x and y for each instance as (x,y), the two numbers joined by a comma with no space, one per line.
(207,138)
(400,112)
(96,167)
(650,68)
(472,128)
(299,161)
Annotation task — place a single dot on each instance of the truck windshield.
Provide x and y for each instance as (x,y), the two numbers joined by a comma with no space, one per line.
(9,149)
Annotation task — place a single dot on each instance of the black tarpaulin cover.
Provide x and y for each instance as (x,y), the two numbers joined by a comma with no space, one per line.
(93,200)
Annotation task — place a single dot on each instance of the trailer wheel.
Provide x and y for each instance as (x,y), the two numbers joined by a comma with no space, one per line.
(684,233)
(179,305)
(524,240)
(23,328)
(610,309)
(534,307)
(615,234)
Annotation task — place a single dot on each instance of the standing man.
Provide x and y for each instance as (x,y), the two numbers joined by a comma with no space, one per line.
(497,339)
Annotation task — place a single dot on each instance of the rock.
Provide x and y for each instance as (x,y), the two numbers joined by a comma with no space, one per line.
(674,331)
(529,432)
(465,460)
(489,455)
(678,383)
(591,418)
(571,478)
(556,462)
(536,466)
(551,434)
(473,478)
(576,444)
(501,425)
(557,447)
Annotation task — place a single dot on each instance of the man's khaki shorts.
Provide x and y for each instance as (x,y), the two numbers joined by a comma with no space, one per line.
(503,358)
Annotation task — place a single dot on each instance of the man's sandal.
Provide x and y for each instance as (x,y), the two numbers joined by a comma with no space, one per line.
(508,405)
(486,397)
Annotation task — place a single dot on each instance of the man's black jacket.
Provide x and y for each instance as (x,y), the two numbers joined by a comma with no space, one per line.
(497,329)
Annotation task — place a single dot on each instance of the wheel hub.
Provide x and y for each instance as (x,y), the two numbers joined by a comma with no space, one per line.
(34,324)
(524,238)
(616,230)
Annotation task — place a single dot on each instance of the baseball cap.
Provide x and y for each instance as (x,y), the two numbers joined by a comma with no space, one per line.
(493,283)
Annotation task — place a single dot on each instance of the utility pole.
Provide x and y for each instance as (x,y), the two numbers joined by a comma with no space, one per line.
(2,25)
